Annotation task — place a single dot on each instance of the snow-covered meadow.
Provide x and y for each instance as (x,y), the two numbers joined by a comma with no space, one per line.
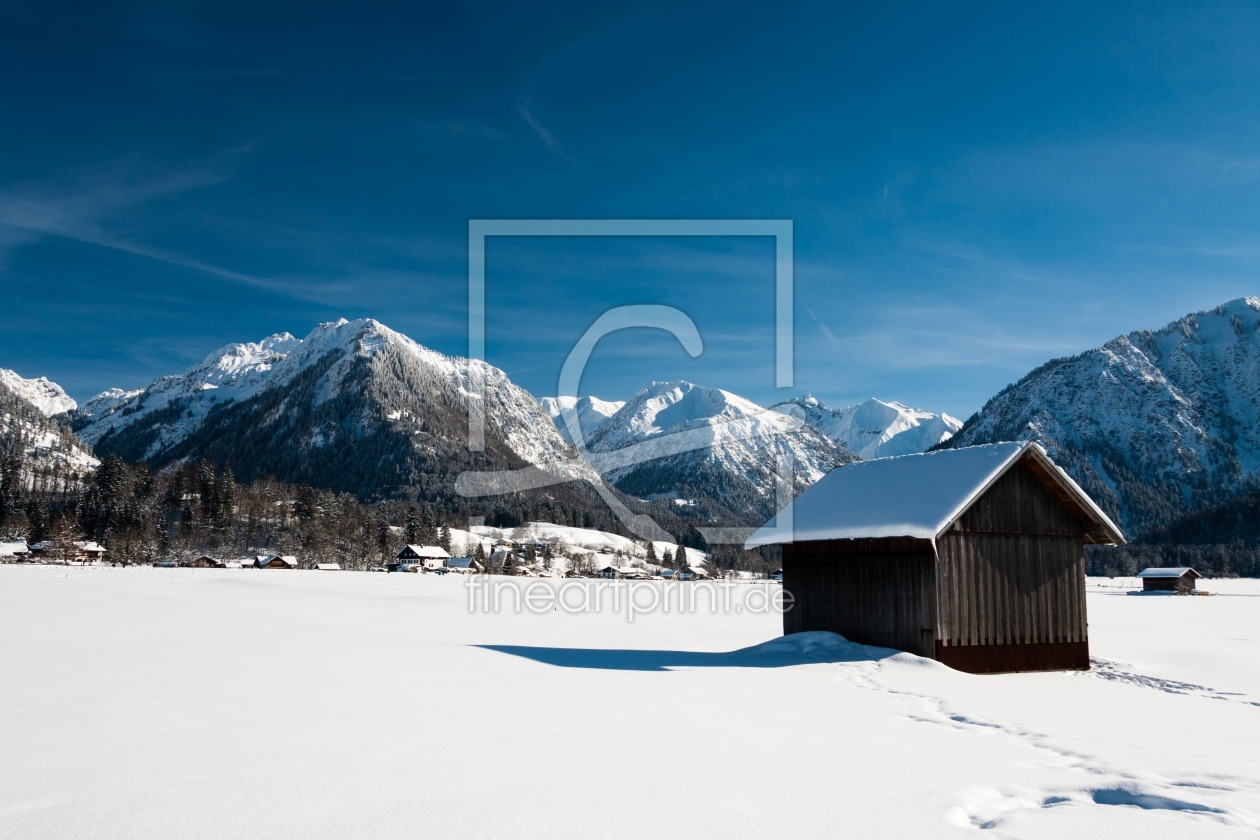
(190,703)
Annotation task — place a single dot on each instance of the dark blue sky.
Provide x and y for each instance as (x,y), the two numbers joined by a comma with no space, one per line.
(975,188)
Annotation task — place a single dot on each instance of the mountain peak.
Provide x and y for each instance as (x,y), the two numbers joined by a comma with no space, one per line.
(876,428)
(49,397)
(591,412)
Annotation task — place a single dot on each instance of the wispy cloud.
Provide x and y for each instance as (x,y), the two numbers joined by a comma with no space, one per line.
(524,108)
(315,73)
(925,337)
(832,338)
(79,207)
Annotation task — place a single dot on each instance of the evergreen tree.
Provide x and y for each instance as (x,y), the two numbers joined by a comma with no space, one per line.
(225,498)
(444,539)
(680,559)
(205,489)
(412,526)
(510,565)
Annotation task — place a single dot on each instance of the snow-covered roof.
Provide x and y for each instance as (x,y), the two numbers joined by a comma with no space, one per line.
(8,549)
(434,551)
(287,559)
(1169,572)
(328,567)
(917,496)
(461,563)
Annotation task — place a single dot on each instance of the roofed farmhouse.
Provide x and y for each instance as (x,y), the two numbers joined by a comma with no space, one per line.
(429,556)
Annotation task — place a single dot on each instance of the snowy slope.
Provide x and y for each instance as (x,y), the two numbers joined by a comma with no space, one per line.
(589,539)
(234,372)
(590,413)
(1152,424)
(677,438)
(313,705)
(354,405)
(876,429)
(48,397)
(42,446)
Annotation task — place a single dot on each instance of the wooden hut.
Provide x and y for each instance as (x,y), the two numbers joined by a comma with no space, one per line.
(1177,579)
(205,561)
(973,557)
(276,561)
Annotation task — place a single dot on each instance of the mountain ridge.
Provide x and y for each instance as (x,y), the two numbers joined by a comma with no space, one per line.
(1154,423)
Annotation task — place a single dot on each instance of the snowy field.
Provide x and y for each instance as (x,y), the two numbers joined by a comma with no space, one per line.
(190,703)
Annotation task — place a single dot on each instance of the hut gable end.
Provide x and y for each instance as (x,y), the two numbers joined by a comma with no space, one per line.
(1021,502)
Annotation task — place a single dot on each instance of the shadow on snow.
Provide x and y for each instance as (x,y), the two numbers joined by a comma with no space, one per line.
(796,649)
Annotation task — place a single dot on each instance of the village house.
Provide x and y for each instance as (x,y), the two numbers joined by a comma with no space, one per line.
(429,556)
(80,551)
(464,565)
(205,561)
(504,561)
(973,557)
(276,561)
(1176,579)
(14,551)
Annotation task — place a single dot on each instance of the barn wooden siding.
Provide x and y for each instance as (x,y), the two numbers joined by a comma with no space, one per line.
(1011,572)
(1183,584)
(874,592)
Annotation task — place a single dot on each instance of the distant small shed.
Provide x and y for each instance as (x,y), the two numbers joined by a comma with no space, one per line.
(1178,579)
(327,567)
(972,556)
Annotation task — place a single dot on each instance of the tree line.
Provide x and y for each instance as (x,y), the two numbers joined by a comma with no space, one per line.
(185,510)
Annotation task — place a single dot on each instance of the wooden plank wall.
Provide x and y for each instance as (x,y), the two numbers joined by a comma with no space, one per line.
(1000,590)
(1012,569)
(875,592)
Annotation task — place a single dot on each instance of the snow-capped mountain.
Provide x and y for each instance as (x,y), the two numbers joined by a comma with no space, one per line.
(679,439)
(591,412)
(232,373)
(42,452)
(354,406)
(1153,424)
(48,397)
(876,429)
